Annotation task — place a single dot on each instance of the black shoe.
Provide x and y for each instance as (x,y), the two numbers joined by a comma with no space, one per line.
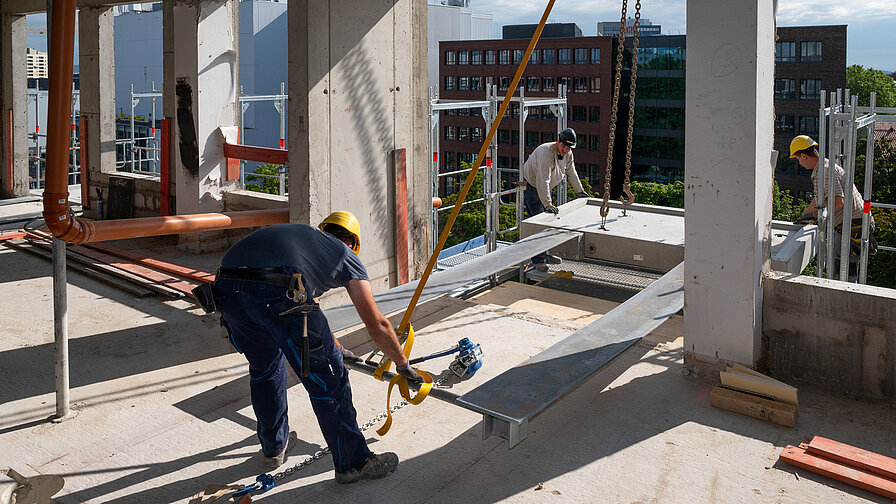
(376,467)
(276,461)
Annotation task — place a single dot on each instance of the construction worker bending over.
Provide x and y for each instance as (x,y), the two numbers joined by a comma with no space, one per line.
(264,304)
(805,150)
(543,171)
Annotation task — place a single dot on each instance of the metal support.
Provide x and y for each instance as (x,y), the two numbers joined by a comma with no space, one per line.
(60,328)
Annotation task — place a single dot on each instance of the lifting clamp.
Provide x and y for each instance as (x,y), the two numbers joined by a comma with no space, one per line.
(467,362)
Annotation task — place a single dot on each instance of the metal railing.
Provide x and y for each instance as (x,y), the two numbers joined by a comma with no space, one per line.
(279,102)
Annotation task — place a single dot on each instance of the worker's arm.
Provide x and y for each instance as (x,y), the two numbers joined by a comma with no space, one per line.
(379,327)
(812,208)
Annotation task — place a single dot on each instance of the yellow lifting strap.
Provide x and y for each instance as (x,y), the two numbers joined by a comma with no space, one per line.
(405,326)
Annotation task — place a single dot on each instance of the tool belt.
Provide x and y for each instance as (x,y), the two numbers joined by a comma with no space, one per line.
(855,237)
(205,294)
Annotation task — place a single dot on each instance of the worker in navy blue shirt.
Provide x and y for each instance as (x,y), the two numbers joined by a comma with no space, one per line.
(252,300)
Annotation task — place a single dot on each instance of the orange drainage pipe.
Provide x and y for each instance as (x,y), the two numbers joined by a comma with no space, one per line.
(436,202)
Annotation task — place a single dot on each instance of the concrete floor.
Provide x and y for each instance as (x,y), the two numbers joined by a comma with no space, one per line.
(162,409)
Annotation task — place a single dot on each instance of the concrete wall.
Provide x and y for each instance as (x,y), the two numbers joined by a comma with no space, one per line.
(13,97)
(832,335)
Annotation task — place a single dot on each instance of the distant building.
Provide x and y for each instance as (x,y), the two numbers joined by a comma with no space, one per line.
(550,30)
(611,28)
(452,20)
(37,62)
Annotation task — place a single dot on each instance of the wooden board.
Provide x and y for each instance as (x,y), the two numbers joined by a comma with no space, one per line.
(756,407)
(853,457)
(783,393)
(737,368)
(799,457)
(152,262)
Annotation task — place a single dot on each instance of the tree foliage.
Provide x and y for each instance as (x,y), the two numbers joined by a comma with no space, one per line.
(270,184)
(862,82)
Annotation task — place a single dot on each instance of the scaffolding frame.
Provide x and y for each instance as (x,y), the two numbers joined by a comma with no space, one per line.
(279,102)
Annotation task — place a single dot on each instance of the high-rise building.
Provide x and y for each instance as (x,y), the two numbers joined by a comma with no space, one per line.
(37,63)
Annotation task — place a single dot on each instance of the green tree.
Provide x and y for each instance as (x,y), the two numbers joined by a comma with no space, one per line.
(270,184)
(862,82)
(882,266)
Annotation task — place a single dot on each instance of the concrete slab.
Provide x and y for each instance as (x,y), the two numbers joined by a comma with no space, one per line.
(163,409)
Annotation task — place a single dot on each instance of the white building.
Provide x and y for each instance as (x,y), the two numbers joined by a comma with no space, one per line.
(37,64)
(453,22)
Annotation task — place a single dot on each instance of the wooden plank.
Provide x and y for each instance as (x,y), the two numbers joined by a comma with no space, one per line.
(756,407)
(145,260)
(153,276)
(11,236)
(798,457)
(784,393)
(134,290)
(737,368)
(853,456)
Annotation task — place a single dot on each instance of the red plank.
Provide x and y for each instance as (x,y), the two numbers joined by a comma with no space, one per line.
(177,269)
(854,457)
(10,236)
(259,154)
(797,456)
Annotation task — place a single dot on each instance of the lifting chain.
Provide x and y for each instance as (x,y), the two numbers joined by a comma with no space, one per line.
(631,111)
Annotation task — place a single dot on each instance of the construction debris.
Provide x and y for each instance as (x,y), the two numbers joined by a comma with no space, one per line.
(751,393)
(746,380)
(842,462)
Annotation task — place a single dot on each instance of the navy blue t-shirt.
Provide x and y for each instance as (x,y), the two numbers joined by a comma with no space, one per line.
(324,261)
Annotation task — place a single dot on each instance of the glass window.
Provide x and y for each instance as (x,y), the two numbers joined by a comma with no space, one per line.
(490,57)
(449,83)
(518,56)
(563,56)
(595,56)
(785,89)
(533,58)
(810,89)
(476,135)
(784,125)
(463,134)
(503,83)
(532,112)
(809,125)
(463,57)
(579,113)
(504,56)
(594,175)
(595,85)
(532,83)
(475,112)
(594,143)
(514,137)
(547,85)
(581,55)
(514,110)
(503,137)
(475,83)
(450,133)
(463,84)
(594,113)
(531,139)
(464,112)
(546,113)
(489,82)
(449,57)
(785,51)
(564,82)
(810,52)
(547,57)
(580,84)
(476,57)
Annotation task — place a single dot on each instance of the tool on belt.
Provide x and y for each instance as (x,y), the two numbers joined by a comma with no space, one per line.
(295,289)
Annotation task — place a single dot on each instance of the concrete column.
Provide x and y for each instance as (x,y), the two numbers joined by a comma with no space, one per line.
(357,92)
(728,176)
(200,53)
(13,96)
(97,67)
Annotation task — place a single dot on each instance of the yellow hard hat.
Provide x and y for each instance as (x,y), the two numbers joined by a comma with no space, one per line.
(347,221)
(801,142)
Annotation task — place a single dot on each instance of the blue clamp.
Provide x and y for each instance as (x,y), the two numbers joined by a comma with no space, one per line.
(263,483)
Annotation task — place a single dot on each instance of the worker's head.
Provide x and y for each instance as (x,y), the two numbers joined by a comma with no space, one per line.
(805,151)
(566,140)
(345,227)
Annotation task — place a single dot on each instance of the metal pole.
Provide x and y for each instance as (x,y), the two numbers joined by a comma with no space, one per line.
(819,198)
(834,152)
(60,326)
(243,107)
(152,120)
(849,166)
(866,195)
(434,171)
(133,150)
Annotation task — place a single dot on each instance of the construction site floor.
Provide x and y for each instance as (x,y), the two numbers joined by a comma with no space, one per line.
(161,409)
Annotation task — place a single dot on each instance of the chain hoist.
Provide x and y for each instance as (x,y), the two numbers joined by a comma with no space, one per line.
(630,198)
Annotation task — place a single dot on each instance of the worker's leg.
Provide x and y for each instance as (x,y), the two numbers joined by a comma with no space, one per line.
(533,207)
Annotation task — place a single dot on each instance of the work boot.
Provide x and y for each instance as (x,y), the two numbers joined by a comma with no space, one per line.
(552,259)
(376,467)
(276,461)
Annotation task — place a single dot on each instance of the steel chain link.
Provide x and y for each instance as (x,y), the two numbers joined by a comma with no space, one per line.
(605,207)
(631,110)
(366,425)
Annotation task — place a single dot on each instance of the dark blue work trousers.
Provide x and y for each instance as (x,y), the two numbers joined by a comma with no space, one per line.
(251,313)
(533,206)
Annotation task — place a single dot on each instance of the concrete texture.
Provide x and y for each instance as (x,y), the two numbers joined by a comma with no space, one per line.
(13,96)
(162,409)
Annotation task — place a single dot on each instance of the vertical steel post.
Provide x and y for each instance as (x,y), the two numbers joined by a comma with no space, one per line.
(819,198)
(133,144)
(866,194)
(849,164)
(60,326)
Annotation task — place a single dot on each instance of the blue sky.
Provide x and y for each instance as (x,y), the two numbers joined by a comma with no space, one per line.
(870,23)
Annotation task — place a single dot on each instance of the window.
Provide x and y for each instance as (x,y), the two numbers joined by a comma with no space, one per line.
(463,134)
(809,125)
(503,83)
(595,85)
(504,56)
(518,56)
(595,56)
(531,139)
(463,57)
(785,51)
(594,113)
(810,52)
(580,55)
(490,57)
(489,82)
(784,125)
(785,89)
(450,133)
(532,83)
(449,57)
(464,112)
(580,84)
(594,143)
(533,58)
(463,84)
(810,89)
(547,85)
(563,56)
(564,82)
(579,113)
(594,175)
(582,142)
(449,83)
(514,137)
(475,83)
(547,136)
(475,112)
(546,113)
(503,137)
(532,113)
(476,135)
(476,57)
(514,110)
(547,57)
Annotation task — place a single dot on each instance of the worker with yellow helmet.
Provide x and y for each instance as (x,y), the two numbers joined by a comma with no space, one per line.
(266,292)
(805,150)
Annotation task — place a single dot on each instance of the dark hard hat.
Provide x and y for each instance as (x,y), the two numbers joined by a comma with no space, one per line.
(568,137)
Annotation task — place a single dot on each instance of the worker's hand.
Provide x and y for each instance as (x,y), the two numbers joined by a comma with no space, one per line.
(551,209)
(805,218)
(408,372)
(582,194)
(349,356)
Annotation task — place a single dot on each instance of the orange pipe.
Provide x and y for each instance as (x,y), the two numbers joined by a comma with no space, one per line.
(436,202)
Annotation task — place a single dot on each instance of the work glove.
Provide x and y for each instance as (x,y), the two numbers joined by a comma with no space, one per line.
(408,372)
(805,218)
(551,209)
(349,356)
(582,194)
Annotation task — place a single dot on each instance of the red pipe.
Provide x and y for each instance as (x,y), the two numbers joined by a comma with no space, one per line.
(259,154)
(165,169)
(85,167)
(10,164)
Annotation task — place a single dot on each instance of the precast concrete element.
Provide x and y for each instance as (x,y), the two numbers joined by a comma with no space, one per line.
(357,83)
(13,97)
(728,179)
(97,68)
(829,334)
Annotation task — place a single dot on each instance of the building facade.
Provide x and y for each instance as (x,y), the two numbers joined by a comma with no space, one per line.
(37,62)
(452,20)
